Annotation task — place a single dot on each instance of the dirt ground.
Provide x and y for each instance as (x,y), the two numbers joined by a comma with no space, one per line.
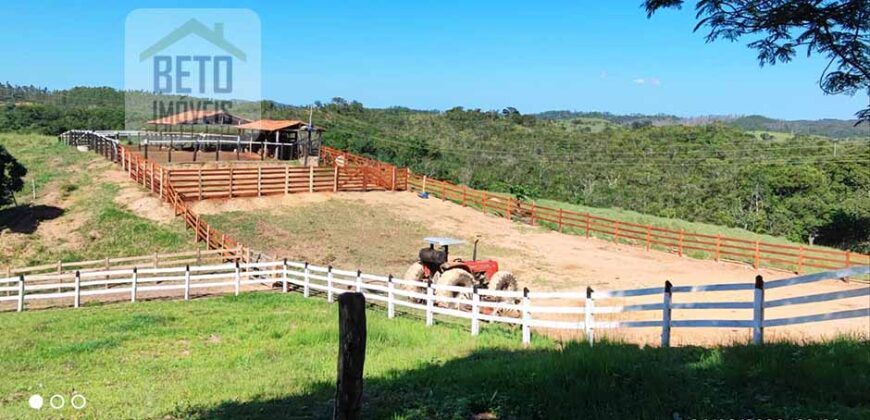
(545,260)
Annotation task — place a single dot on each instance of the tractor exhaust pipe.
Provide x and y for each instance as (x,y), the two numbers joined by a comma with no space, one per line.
(474,254)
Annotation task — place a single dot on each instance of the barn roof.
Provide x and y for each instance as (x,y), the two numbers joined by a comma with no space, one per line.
(194,117)
(271,125)
(275,125)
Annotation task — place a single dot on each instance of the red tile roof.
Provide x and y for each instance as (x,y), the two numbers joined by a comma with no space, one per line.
(271,125)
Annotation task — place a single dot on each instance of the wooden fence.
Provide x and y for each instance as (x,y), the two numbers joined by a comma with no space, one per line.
(527,309)
(155,179)
(718,247)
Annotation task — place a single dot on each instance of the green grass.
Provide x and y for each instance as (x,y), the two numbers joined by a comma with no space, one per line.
(266,355)
(70,186)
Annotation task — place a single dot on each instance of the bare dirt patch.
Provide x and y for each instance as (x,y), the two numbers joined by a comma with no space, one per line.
(543,260)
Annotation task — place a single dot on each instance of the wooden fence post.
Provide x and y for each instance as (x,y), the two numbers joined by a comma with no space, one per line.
(800,265)
(21,293)
(848,259)
(424,183)
(162,184)
(391,298)
(756,262)
(306,281)
(589,319)
(616,232)
(507,213)
(329,284)
(284,277)
(259,180)
(560,219)
(335,179)
(464,195)
(393,180)
(134,285)
(680,249)
(238,278)
(231,182)
(311,179)
(475,312)
(77,299)
(648,237)
(483,201)
(187,282)
(758,312)
(351,356)
(527,318)
(588,223)
(430,303)
(199,184)
(718,246)
(666,315)
(359,288)
(532,215)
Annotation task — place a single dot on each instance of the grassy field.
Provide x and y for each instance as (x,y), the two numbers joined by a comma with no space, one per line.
(75,215)
(267,355)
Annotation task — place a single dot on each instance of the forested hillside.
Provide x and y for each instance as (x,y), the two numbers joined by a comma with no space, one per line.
(800,187)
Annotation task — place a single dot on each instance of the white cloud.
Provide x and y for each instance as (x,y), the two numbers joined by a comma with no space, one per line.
(639,81)
(647,81)
(655,82)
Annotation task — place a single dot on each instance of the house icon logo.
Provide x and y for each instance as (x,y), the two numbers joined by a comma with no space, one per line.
(199,60)
(215,36)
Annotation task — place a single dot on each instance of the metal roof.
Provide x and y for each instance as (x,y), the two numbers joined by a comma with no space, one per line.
(442,241)
(191,117)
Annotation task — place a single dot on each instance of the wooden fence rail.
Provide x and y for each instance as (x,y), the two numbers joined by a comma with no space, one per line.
(155,178)
(527,309)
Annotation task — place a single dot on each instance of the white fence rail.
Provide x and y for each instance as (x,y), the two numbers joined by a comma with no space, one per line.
(521,308)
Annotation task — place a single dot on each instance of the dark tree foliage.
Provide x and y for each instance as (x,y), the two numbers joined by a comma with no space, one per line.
(11,173)
(838,30)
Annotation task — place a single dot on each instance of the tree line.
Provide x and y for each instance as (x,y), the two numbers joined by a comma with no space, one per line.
(805,188)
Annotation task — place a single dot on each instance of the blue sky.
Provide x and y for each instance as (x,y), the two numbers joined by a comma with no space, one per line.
(581,55)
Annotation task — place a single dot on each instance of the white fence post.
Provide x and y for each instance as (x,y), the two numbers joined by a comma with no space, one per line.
(758,312)
(238,278)
(391,305)
(589,319)
(21,293)
(430,303)
(135,283)
(475,312)
(527,329)
(187,282)
(307,280)
(329,284)
(78,291)
(359,281)
(284,278)
(666,315)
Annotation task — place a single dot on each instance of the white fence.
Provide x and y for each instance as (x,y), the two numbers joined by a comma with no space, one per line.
(474,304)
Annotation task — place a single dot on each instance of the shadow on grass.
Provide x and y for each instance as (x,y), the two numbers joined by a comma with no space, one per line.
(26,218)
(611,380)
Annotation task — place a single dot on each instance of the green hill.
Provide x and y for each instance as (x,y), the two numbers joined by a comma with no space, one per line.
(801,187)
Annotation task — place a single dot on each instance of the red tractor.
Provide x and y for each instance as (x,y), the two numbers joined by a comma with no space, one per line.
(434,264)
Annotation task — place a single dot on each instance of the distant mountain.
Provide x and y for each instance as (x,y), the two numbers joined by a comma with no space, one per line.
(825,127)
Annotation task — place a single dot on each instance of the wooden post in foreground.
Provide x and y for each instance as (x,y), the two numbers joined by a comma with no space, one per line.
(351,356)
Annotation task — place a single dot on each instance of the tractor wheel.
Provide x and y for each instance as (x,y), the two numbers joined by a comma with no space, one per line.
(505,280)
(455,277)
(414,272)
